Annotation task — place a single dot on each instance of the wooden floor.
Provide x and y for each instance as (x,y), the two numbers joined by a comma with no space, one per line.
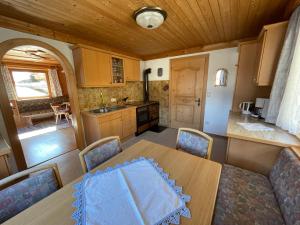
(44,147)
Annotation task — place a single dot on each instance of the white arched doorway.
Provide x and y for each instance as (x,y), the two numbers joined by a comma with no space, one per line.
(5,105)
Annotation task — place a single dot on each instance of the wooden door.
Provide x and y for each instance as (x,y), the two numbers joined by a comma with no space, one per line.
(188,88)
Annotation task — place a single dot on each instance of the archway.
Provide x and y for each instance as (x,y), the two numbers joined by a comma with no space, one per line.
(5,104)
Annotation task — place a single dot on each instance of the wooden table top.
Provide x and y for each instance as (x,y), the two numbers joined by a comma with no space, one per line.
(198,177)
(277,137)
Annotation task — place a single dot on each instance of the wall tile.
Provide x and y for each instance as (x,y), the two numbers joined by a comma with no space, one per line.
(90,98)
(157,93)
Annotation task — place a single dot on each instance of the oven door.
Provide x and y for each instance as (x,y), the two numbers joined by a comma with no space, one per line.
(142,114)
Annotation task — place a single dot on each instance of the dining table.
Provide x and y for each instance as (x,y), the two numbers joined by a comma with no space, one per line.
(198,177)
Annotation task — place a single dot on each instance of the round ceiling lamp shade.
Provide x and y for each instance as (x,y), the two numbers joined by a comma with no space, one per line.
(150,17)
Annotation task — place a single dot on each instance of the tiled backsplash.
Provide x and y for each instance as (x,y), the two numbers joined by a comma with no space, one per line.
(159,91)
(89,98)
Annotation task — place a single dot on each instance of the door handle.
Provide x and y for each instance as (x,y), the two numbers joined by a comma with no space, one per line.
(198,101)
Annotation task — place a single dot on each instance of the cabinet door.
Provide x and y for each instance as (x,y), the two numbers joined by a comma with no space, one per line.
(104,61)
(111,128)
(129,122)
(93,68)
(117,67)
(132,70)
(270,45)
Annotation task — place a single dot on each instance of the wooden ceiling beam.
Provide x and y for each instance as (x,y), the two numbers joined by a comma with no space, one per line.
(199,49)
(22,26)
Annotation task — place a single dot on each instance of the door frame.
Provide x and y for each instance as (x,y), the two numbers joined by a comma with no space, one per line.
(7,112)
(206,56)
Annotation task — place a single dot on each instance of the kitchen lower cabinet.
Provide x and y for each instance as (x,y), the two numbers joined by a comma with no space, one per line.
(111,126)
(120,123)
(129,122)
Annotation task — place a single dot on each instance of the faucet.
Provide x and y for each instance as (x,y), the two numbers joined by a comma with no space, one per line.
(102,100)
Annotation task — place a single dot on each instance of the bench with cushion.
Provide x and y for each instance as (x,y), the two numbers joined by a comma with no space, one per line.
(249,198)
(39,107)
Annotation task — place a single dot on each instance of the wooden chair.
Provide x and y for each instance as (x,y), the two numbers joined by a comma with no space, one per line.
(99,152)
(59,111)
(17,195)
(194,142)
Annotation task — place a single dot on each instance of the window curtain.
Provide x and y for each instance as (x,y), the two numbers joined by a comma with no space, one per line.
(54,83)
(8,82)
(284,107)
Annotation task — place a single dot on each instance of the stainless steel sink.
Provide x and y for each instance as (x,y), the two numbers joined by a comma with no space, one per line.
(108,109)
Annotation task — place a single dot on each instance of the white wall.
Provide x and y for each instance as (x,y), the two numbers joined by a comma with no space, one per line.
(218,99)
(6,34)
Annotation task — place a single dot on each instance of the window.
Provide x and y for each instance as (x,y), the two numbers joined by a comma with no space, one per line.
(31,84)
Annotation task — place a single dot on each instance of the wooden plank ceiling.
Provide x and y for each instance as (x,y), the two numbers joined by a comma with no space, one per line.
(190,23)
(29,54)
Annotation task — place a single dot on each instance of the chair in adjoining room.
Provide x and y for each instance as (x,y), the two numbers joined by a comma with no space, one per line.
(99,152)
(22,190)
(194,142)
(59,110)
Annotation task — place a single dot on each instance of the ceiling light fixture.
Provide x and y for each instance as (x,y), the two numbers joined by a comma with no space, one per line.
(150,17)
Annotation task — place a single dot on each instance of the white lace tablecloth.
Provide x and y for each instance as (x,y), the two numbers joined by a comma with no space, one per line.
(134,193)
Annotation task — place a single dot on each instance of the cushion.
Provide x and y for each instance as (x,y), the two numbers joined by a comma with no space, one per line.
(30,105)
(24,194)
(101,154)
(192,143)
(285,179)
(245,198)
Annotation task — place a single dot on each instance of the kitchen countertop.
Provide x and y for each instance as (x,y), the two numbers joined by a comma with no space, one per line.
(4,147)
(89,113)
(277,137)
(141,103)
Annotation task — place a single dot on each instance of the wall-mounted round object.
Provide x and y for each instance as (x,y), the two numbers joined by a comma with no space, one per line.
(221,77)
(150,17)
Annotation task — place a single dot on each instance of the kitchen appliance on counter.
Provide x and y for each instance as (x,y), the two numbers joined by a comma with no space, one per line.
(245,107)
(261,107)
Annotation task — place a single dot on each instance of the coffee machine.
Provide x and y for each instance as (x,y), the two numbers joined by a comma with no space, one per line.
(261,107)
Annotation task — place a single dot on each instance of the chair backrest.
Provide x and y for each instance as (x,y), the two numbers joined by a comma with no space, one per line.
(194,142)
(285,180)
(42,181)
(99,152)
(55,108)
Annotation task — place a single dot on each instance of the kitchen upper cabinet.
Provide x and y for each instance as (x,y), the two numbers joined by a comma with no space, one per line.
(93,68)
(132,69)
(269,45)
(118,75)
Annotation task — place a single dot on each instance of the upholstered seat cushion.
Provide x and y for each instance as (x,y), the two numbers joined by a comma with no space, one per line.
(192,143)
(22,195)
(101,154)
(245,198)
(285,179)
